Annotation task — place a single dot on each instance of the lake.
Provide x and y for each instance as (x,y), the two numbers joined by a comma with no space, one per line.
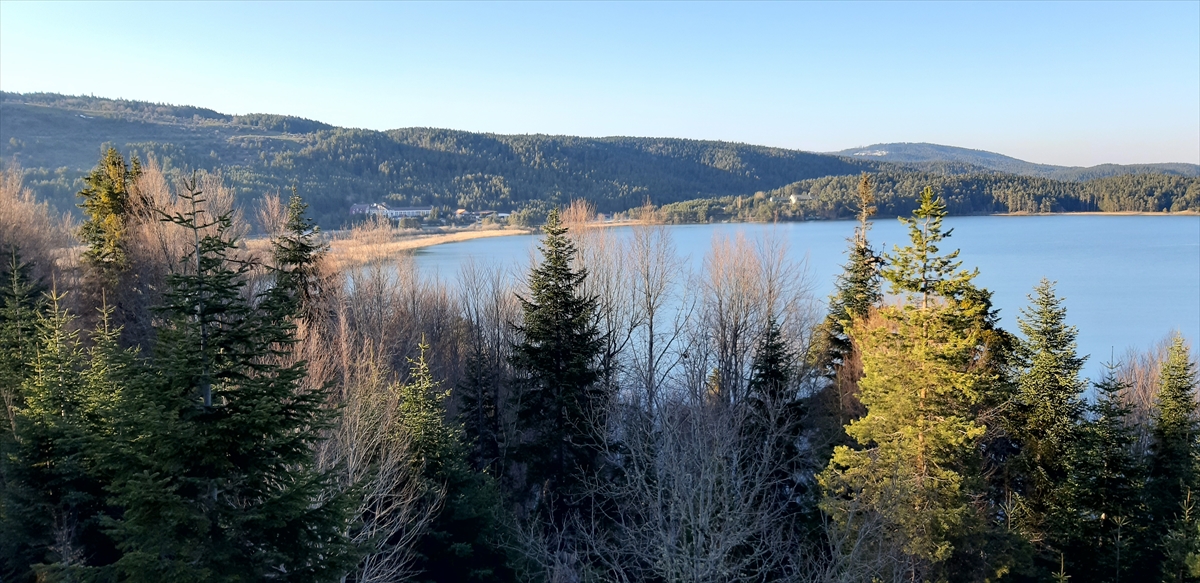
(1127,281)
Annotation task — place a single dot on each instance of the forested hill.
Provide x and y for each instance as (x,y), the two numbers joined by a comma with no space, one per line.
(953,160)
(56,139)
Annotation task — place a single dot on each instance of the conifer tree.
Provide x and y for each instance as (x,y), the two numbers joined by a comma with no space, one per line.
(1173,457)
(560,409)
(55,497)
(297,252)
(462,541)
(20,307)
(214,468)
(918,444)
(1047,426)
(1110,478)
(857,288)
(106,206)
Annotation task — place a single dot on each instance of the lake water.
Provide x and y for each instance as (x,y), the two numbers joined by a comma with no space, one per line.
(1127,281)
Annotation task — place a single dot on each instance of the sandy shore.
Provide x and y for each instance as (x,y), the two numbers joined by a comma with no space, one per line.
(349,252)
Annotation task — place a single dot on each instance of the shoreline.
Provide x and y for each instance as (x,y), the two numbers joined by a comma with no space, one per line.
(349,252)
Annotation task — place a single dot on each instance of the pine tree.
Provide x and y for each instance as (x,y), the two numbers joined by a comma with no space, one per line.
(462,541)
(214,465)
(560,409)
(1110,478)
(1047,425)
(1173,457)
(918,443)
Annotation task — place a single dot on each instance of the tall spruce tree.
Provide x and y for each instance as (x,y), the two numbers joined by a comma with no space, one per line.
(1174,454)
(917,460)
(214,465)
(561,405)
(1110,478)
(1047,425)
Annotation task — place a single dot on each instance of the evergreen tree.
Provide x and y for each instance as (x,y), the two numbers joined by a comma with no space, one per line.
(462,542)
(1173,458)
(1110,478)
(20,307)
(106,202)
(775,424)
(55,494)
(478,414)
(297,252)
(857,288)
(918,443)
(560,409)
(1047,426)
(214,465)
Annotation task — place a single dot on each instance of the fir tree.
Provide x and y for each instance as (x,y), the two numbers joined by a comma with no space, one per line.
(918,443)
(297,252)
(560,410)
(1173,456)
(857,288)
(214,463)
(56,492)
(462,541)
(1047,426)
(1110,478)
(20,307)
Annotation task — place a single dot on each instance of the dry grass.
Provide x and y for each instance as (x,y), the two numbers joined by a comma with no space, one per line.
(371,242)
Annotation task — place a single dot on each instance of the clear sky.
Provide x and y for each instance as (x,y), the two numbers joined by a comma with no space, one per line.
(1061,83)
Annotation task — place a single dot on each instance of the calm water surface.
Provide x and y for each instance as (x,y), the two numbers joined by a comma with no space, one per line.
(1128,281)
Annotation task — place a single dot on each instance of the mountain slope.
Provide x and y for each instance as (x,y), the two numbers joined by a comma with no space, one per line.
(951,159)
(57,138)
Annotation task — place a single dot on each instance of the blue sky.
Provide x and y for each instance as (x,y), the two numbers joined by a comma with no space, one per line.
(1061,83)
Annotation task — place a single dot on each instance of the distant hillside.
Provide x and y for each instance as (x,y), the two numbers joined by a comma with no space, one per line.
(953,160)
(57,138)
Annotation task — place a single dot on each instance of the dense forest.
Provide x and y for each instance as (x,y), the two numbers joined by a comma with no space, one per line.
(181,406)
(55,139)
(964,160)
(965,194)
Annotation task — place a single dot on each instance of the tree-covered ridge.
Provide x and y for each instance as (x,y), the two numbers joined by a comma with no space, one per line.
(55,139)
(966,161)
(833,197)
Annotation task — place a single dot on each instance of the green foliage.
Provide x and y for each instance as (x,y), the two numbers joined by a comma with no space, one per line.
(917,460)
(213,462)
(918,270)
(857,288)
(297,252)
(1047,424)
(106,206)
(1174,449)
(1110,479)
(463,541)
(560,409)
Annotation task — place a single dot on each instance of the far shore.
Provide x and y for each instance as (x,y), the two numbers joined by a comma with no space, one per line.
(349,252)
